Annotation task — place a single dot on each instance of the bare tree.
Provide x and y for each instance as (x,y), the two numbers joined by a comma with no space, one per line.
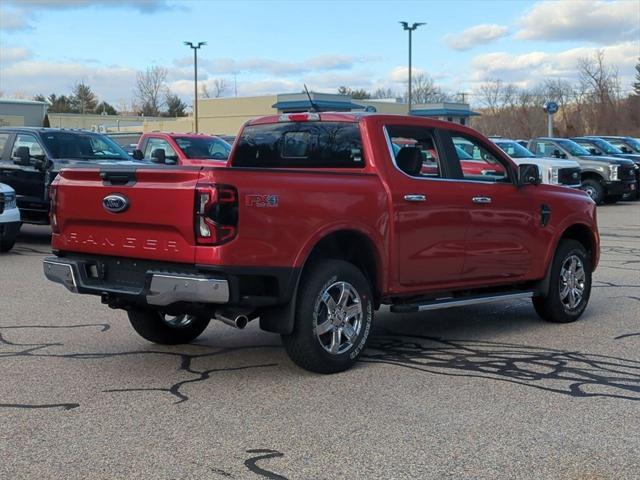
(219,87)
(424,90)
(204,91)
(151,87)
(384,93)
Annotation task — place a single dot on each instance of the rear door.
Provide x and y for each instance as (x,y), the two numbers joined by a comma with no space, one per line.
(430,221)
(157,221)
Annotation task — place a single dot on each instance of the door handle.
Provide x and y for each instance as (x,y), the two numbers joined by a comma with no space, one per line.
(481,199)
(415,197)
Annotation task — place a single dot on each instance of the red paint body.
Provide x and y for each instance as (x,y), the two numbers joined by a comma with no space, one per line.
(448,242)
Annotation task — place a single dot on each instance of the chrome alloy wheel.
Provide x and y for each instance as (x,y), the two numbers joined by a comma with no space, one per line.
(177,321)
(338,317)
(590,191)
(572,282)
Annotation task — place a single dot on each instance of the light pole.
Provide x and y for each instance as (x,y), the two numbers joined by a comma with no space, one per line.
(410,29)
(195,48)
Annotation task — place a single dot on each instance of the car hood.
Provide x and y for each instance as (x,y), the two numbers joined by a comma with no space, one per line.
(4,188)
(607,160)
(548,162)
(629,156)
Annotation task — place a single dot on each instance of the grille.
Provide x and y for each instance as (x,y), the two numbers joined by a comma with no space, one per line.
(566,176)
(1,203)
(628,173)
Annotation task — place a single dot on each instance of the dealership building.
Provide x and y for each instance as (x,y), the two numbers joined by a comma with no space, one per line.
(225,116)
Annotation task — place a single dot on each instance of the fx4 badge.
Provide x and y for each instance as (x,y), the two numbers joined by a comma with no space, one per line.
(261,201)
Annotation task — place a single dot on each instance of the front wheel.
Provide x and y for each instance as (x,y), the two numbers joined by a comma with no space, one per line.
(594,189)
(8,235)
(334,316)
(158,327)
(569,285)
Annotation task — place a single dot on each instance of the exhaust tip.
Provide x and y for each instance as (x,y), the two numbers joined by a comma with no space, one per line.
(241,321)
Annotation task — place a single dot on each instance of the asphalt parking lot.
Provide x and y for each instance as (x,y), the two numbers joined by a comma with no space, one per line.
(476,392)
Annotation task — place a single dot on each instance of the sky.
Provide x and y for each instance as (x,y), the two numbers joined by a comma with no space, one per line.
(269,47)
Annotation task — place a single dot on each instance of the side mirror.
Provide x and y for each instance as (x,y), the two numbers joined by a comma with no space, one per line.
(22,156)
(43,164)
(528,174)
(137,154)
(159,156)
(593,151)
(626,150)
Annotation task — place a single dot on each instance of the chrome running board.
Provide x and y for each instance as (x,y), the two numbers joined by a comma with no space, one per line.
(458,302)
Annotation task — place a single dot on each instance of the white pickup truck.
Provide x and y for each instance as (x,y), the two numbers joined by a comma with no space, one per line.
(9,218)
(553,171)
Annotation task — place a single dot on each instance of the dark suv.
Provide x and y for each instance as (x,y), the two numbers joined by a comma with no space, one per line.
(30,158)
(605,179)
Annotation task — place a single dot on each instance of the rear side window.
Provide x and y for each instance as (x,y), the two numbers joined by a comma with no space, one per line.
(300,144)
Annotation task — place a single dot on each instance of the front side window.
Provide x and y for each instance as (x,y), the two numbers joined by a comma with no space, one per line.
(482,165)
(414,150)
(3,141)
(544,149)
(301,145)
(158,144)
(29,141)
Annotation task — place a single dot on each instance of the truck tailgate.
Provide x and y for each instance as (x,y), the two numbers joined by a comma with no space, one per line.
(156,220)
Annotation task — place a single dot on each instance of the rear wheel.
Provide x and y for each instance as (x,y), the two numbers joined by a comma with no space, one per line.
(158,327)
(594,189)
(334,315)
(569,285)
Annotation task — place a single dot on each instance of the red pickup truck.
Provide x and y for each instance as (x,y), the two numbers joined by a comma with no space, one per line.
(182,148)
(315,223)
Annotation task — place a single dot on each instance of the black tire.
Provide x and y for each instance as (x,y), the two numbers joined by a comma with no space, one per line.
(8,235)
(305,346)
(594,189)
(550,307)
(153,325)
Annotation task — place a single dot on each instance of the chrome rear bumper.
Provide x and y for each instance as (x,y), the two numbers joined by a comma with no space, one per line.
(159,288)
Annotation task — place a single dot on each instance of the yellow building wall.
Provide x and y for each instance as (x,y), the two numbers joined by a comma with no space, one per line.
(11,121)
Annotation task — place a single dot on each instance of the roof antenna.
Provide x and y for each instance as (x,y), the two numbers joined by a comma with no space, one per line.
(314,106)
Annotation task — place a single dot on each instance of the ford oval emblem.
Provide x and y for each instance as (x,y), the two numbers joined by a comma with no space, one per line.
(115,203)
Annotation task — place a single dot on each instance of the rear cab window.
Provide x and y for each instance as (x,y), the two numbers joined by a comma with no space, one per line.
(414,151)
(300,145)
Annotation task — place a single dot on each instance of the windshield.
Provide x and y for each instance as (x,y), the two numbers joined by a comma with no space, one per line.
(210,148)
(514,150)
(634,143)
(573,148)
(83,146)
(605,146)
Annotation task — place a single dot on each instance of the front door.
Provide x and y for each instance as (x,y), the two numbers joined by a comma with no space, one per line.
(503,218)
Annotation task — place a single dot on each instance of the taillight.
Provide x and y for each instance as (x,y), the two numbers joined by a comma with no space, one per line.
(53,206)
(216,217)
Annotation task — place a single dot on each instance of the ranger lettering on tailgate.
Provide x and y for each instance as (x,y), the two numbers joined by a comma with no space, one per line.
(151,244)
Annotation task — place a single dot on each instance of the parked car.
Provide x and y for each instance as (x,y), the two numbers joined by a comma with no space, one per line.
(9,218)
(30,158)
(598,146)
(605,179)
(182,148)
(625,144)
(313,225)
(554,171)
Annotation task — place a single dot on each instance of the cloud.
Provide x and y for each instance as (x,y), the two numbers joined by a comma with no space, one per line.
(530,68)
(227,66)
(32,77)
(13,54)
(588,20)
(17,15)
(474,36)
(401,74)
(145,6)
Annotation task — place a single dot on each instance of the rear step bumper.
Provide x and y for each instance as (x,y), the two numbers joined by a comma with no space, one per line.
(160,288)
(459,301)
